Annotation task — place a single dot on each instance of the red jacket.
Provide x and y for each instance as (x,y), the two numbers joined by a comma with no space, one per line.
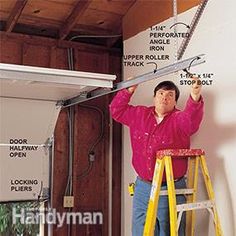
(147,137)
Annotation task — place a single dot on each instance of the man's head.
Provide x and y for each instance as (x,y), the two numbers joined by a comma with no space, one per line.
(166,95)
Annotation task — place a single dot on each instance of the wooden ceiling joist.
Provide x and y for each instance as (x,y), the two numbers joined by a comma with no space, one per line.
(49,42)
(15,14)
(74,17)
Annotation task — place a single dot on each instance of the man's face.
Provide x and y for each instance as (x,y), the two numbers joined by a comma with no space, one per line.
(164,101)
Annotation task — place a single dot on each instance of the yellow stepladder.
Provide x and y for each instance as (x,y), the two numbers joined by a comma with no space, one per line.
(164,161)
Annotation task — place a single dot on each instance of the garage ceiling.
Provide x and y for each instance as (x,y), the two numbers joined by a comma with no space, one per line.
(75,20)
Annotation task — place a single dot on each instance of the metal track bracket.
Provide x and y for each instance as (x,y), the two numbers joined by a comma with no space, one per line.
(180,65)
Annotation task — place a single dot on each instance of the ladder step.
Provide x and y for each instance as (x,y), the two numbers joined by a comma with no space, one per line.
(178,191)
(195,206)
(180,153)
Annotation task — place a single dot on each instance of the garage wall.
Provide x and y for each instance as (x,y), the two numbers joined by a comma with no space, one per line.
(91,192)
(214,36)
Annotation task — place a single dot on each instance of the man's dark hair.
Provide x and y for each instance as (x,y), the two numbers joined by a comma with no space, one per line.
(167,85)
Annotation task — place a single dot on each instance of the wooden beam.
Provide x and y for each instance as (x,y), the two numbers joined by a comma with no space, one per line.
(90,29)
(71,21)
(37,40)
(111,42)
(15,14)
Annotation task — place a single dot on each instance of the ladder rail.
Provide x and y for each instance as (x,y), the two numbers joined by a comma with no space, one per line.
(210,192)
(192,182)
(171,195)
(154,198)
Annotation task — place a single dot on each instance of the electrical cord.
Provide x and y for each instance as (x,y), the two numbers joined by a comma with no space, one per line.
(91,153)
(95,36)
(102,125)
(70,114)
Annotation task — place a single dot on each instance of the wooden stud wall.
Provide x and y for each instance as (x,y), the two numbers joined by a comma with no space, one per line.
(91,192)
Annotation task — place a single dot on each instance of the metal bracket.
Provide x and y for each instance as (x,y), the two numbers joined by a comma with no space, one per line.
(180,65)
(47,145)
(175,15)
(193,26)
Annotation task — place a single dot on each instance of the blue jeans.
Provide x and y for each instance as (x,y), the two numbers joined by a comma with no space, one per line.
(140,203)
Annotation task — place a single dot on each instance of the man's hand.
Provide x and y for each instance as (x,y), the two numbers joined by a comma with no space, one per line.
(132,88)
(196,89)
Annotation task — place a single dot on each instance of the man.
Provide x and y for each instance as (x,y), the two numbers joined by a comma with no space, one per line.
(161,126)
